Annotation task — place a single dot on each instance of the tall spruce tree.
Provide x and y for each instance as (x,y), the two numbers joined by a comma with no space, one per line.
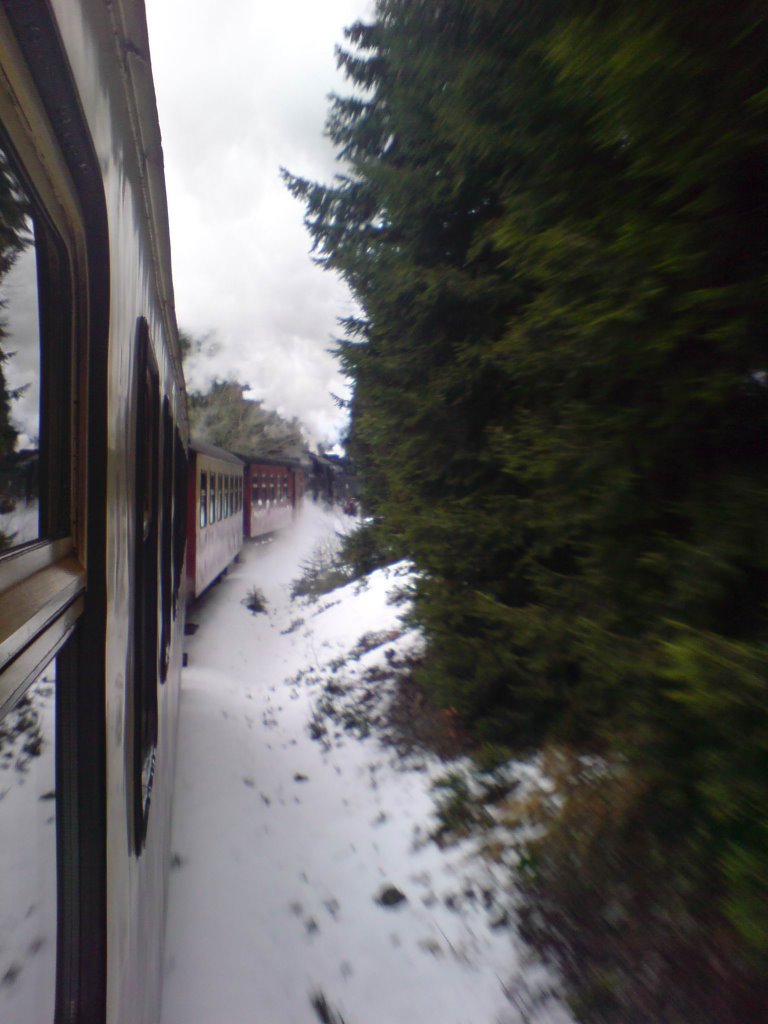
(554,218)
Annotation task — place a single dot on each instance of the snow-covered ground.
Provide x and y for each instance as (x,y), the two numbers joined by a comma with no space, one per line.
(284,843)
(28,857)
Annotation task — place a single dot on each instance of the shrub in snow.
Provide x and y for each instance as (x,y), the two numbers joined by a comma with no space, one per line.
(255,601)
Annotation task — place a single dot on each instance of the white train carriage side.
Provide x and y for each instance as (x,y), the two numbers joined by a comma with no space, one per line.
(214,514)
(91,575)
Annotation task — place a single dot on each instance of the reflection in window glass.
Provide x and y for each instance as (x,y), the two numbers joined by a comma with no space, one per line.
(203,499)
(28,857)
(19,365)
(212,502)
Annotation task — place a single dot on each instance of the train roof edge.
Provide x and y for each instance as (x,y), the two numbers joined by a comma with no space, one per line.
(214,452)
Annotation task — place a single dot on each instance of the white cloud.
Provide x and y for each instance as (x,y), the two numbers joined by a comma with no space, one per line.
(242,89)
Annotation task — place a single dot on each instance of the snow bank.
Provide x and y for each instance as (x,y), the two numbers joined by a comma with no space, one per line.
(285,847)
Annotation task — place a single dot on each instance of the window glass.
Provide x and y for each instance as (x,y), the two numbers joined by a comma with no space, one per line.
(28,856)
(148,499)
(166,536)
(219,492)
(179,512)
(212,501)
(19,364)
(203,499)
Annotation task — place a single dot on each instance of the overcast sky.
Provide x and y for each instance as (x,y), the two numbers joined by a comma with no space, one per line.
(242,89)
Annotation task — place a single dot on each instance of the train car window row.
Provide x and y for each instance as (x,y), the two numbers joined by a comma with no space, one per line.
(223,500)
(268,488)
(146,582)
(160,510)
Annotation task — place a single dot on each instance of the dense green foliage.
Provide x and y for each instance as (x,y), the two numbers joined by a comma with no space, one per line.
(554,217)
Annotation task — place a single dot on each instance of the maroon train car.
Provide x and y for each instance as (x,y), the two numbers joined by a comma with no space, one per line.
(214,514)
(273,492)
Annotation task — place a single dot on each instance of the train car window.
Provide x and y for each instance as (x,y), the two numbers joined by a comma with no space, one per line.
(227,496)
(19,363)
(42,577)
(179,513)
(166,539)
(145,672)
(35,346)
(219,495)
(255,492)
(203,499)
(212,499)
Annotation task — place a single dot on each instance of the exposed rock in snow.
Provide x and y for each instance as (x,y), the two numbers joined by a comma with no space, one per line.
(390,896)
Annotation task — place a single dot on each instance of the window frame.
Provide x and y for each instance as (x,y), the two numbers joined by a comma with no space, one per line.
(42,582)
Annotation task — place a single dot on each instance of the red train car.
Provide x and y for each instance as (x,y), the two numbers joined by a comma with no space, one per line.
(273,491)
(214,514)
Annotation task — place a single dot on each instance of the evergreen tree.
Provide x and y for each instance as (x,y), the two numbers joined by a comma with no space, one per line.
(553,216)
